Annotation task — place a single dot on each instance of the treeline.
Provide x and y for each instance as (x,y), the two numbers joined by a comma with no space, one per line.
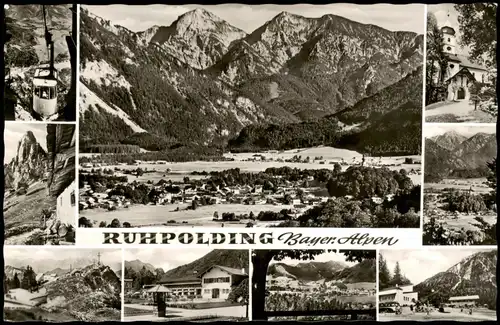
(298,302)
(366,182)
(100,181)
(143,277)
(180,154)
(286,136)
(386,279)
(110,148)
(28,281)
(344,213)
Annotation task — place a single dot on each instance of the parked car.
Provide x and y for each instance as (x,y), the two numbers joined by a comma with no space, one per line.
(389,307)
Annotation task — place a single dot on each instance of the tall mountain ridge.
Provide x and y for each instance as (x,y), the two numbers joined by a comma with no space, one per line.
(201,80)
(29,165)
(137,265)
(452,151)
(328,271)
(473,275)
(237,259)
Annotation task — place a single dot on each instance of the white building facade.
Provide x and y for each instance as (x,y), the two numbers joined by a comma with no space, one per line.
(461,73)
(217,282)
(404,295)
(66,205)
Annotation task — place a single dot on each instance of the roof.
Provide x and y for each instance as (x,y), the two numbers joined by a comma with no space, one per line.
(474,297)
(44,82)
(158,288)
(229,270)
(391,288)
(171,280)
(465,61)
(461,72)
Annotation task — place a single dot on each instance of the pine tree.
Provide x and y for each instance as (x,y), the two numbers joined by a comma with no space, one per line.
(398,277)
(384,276)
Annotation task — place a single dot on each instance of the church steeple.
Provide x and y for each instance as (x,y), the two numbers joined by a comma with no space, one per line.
(450,42)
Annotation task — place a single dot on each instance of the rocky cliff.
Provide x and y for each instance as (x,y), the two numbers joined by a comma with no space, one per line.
(474,275)
(29,164)
(201,80)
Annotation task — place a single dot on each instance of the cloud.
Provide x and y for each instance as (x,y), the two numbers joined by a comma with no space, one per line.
(431,130)
(408,17)
(419,265)
(13,133)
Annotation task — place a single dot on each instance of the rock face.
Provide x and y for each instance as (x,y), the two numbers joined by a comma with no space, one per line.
(197,38)
(86,292)
(453,151)
(201,80)
(474,275)
(29,164)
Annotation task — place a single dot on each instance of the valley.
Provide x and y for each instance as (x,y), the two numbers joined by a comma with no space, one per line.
(200,123)
(460,187)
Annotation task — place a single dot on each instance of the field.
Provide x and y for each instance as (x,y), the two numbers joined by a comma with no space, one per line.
(477,185)
(157,215)
(480,314)
(329,155)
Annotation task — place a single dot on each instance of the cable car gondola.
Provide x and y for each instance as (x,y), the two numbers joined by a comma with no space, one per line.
(45,81)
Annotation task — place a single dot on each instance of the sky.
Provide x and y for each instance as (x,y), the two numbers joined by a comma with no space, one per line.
(408,17)
(446,12)
(166,258)
(431,130)
(45,259)
(325,257)
(13,133)
(419,265)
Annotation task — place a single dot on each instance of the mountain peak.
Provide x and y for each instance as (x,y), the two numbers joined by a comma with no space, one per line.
(28,136)
(198,14)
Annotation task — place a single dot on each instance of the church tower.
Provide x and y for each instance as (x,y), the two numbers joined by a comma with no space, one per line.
(449,38)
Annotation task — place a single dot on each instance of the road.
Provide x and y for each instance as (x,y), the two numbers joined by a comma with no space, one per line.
(456,112)
(233,311)
(452,315)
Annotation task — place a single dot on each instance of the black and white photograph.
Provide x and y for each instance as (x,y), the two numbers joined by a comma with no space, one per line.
(461,67)
(251,116)
(198,284)
(40,53)
(62,284)
(437,285)
(39,205)
(460,184)
(313,285)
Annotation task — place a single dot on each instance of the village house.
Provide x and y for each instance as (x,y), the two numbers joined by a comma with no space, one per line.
(213,284)
(128,285)
(404,295)
(462,301)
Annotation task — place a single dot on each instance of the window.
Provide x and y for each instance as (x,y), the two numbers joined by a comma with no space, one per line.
(449,40)
(448,48)
(452,65)
(73,199)
(217,280)
(46,92)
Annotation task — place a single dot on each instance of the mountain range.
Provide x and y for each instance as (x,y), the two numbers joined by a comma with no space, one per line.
(328,271)
(452,153)
(28,165)
(473,275)
(137,265)
(201,81)
(237,259)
